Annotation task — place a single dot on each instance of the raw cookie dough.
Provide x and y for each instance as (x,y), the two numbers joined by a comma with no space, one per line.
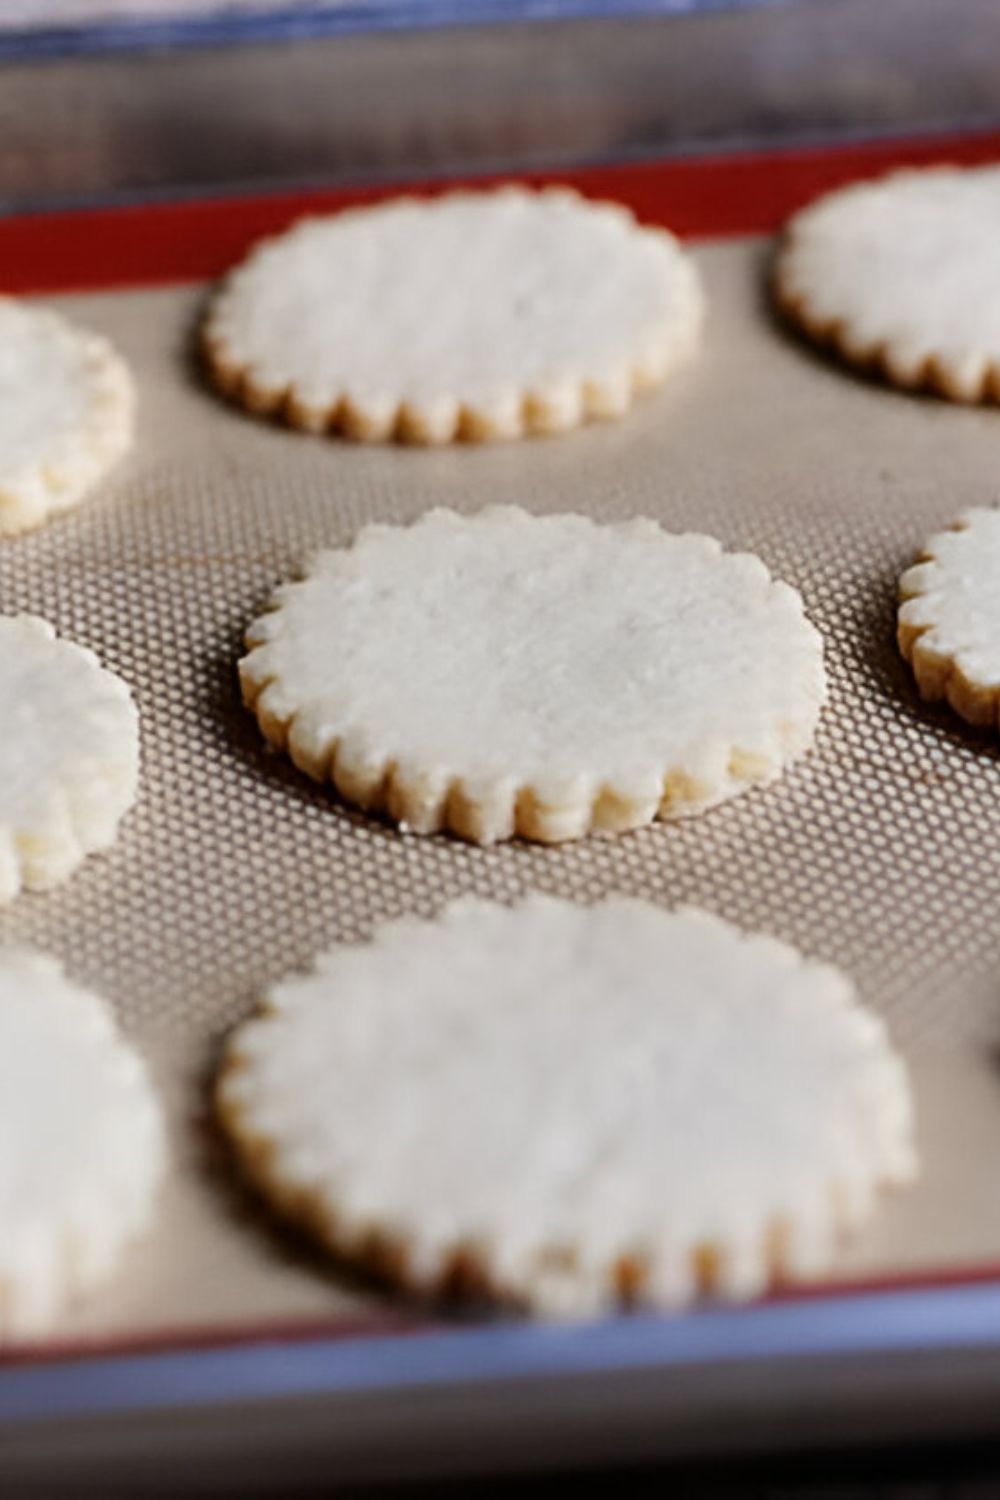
(901,274)
(570,1107)
(545,676)
(81,1142)
(473,315)
(949,617)
(69,755)
(66,409)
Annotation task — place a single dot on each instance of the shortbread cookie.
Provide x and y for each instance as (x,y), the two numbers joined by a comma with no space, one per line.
(949,617)
(66,407)
(545,676)
(571,1107)
(69,755)
(900,274)
(81,1142)
(474,315)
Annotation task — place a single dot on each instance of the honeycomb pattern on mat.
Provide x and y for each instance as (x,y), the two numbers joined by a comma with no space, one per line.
(881,851)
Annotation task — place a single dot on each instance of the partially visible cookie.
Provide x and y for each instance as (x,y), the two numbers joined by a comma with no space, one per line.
(949,617)
(69,755)
(81,1142)
(545,676)
(900,274)
(66,409)
(569,1107)
(476,315)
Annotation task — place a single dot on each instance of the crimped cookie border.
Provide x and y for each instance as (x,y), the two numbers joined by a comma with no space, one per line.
(462,1271)
(905,364)
(540,412)
(85,807)
(386,1256)
(938,676)
(426,799)
(66,475)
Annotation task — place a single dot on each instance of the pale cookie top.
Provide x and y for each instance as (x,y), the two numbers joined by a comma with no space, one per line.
(81,1141)
(904,270)
(580,1102)
(949,617)
(475,314)
(66,407)
(69,754)
(545,675)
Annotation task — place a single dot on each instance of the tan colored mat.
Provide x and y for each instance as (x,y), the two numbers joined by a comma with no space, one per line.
(881,852)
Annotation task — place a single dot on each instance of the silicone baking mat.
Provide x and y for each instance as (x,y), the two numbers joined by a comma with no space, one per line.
(879,852)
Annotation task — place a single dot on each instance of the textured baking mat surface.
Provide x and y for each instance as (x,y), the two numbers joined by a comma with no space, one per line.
(880,852)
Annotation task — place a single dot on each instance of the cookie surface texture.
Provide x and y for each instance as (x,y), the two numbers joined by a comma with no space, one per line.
(570,1107)
(474,316)
(508,674)
(66,413)
(81,1142)
(69,755)
(949,617)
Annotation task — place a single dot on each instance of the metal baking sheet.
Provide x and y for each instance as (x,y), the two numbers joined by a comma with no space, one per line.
(46,28)
(879,852)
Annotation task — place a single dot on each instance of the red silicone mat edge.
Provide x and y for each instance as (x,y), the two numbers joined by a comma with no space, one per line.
(194,239)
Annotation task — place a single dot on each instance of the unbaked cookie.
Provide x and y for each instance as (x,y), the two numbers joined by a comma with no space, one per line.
(473,315)
(81,1142)
(571,1107)
(901,274)
(949,617)
(66,408)
(69,755)
(546,676)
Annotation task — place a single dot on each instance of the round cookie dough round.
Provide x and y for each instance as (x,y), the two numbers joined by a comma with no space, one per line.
(949,617)
(81,1142)
(69,755)
(547,676)
(571,1107)
(66,410)
(899,274)
(473,315)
